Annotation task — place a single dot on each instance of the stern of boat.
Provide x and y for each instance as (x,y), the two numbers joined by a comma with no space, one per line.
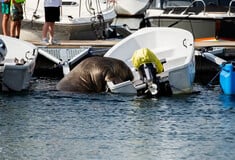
(17,77)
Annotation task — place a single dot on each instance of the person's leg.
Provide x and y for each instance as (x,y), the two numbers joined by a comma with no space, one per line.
(18,23)
(17,29)
(12,28)
(15,19)
(51,31)
(5,19)
(45,29)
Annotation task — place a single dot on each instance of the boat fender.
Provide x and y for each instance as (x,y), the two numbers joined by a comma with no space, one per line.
(144,56)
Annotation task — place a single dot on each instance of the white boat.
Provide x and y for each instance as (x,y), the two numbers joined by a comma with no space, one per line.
(80,19)
(18,65)
(130,7)
(173,45)
(205,19)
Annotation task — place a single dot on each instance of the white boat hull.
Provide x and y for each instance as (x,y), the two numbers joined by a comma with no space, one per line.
(130,7)
(17,76)
(76,21)
(176,46)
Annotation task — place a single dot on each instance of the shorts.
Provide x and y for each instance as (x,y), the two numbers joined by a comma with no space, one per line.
(5,8)
(16,14)
(52,14)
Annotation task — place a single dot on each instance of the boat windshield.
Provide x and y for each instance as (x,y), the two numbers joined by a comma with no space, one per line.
(186,3)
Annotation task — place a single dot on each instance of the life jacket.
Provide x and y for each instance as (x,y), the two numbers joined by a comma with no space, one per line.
(145,55)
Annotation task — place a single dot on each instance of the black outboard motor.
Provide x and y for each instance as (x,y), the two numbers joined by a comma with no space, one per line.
(148,75)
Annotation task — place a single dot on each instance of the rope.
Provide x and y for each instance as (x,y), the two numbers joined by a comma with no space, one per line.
(211,81)
(34,13)
(97,21)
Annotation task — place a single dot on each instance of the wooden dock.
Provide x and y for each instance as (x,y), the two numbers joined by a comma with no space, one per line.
(112,42)
(79,43)
(216,43)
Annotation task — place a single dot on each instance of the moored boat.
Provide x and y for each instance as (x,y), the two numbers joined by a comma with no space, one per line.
(205,19)
(80,19)
(17,68)
(173,46)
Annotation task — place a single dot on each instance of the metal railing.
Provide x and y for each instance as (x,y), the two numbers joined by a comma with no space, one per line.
(230,4)
(195,1)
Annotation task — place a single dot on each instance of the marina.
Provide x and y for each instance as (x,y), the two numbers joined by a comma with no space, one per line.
(195,121)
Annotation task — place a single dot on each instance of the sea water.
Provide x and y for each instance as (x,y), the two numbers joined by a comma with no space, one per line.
(45,124)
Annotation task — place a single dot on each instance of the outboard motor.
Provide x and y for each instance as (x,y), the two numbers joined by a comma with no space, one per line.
(148,74)
(3,50)
(148,66)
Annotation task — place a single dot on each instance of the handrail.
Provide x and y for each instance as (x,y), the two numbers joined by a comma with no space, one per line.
(204,9)
(80,8)
(230,4)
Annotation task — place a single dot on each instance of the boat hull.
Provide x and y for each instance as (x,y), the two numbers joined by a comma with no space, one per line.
(32,31)
(131,7)
(181,80)
(204,19)
(18,77)
(200,28)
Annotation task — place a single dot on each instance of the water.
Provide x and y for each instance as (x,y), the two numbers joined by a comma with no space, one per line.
(45,124)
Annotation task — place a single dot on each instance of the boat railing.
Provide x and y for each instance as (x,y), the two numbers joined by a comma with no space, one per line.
(191,5)
(230,5)
(93,7)
(80,8)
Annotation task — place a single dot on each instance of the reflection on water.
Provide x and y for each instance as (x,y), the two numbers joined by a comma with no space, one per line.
(46,124)
(228,101)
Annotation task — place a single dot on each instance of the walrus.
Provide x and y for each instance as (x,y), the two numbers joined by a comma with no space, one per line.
(92,74)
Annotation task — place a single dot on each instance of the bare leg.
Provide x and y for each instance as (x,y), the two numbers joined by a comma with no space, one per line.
(5,19)
(13,28)
(17,29)
(51,30)
(45,29)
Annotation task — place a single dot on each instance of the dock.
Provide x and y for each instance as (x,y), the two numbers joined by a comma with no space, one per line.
(215,43)
(111,42)
(80,43)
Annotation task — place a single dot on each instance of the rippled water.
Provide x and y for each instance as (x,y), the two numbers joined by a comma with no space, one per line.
(44,124)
